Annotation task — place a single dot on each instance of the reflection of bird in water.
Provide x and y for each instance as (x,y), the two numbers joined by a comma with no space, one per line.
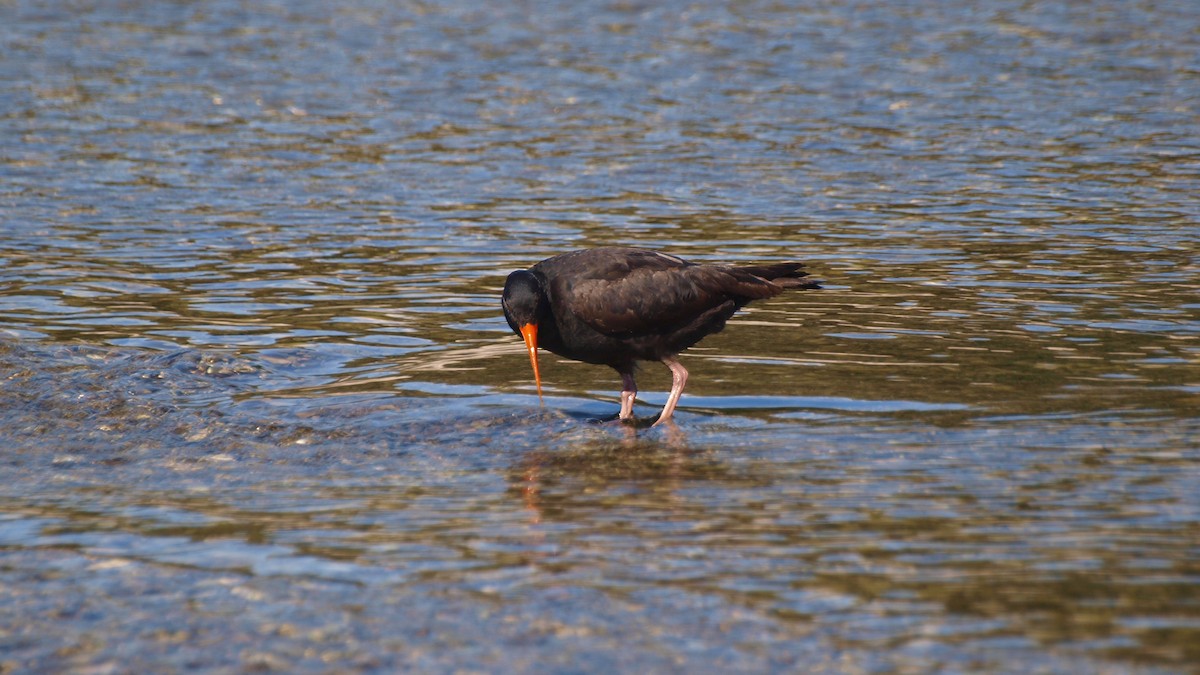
(547,481)
(616,306)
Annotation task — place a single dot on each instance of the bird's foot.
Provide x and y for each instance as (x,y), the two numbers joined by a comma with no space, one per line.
(640,423)
(629,420)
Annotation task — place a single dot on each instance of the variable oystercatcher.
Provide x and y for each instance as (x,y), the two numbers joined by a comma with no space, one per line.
(615,306)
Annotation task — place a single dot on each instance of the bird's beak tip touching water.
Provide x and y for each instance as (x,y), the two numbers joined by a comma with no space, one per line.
(529,332)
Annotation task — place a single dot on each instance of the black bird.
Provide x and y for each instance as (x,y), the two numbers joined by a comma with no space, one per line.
(615,306)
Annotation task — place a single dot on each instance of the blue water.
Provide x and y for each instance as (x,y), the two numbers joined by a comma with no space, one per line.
(260,409)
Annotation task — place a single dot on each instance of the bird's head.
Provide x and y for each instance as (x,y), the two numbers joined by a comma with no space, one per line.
(525,305)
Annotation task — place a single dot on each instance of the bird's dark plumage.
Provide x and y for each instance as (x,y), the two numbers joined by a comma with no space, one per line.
(615,306)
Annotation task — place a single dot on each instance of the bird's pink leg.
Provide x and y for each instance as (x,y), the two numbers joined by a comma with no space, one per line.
(679,377)
(628,393)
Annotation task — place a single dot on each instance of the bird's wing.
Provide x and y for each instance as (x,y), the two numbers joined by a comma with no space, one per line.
(649,291)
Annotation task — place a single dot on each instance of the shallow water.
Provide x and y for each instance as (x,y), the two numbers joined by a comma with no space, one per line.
(261,410)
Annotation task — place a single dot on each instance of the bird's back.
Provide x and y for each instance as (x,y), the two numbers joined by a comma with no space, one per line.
(616,304)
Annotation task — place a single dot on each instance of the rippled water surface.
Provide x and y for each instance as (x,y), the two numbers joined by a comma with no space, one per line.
(260,410)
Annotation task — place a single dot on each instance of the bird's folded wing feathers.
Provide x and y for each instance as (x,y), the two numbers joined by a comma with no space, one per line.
(652,298)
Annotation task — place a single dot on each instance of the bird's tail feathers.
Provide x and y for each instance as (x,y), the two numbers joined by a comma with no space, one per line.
(784,275)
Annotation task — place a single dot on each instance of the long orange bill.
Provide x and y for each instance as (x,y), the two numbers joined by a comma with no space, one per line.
(529,332)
